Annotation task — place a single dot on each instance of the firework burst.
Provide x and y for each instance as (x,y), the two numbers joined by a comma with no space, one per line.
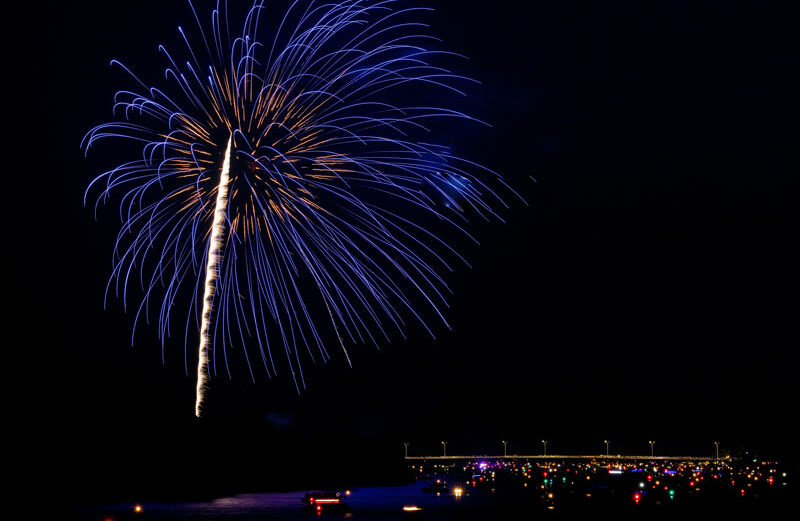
(286,188)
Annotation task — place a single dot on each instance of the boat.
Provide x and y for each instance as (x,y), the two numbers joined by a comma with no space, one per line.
(435,487)
(327,500)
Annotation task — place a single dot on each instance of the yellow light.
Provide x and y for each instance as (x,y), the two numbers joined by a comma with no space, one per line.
(458,491)
(411,509)
(138,509)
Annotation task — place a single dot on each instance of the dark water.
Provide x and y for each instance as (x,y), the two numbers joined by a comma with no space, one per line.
(386,503)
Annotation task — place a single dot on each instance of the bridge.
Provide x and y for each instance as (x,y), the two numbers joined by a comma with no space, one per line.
(613,457)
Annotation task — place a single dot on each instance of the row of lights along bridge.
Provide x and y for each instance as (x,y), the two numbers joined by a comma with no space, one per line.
(544,448)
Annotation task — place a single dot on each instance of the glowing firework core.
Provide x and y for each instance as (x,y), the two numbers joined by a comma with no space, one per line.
(214,245)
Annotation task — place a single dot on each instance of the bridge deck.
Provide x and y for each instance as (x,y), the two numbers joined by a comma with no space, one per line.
(565,457)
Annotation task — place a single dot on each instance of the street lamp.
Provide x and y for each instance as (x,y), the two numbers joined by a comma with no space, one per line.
(405,444)
(444,449)
(716,445)
(505,448)
(606,442)
(544,442)
(651,447)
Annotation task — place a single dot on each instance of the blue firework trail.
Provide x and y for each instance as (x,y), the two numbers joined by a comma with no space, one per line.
(286,188)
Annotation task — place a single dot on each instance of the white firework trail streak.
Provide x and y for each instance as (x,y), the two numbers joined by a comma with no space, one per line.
(212,267)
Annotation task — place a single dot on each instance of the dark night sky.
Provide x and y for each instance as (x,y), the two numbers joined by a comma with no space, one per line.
(649,291)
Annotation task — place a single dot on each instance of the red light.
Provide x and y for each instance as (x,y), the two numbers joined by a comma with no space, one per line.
(691,483)
(544,474)
(771,480)
(319,508)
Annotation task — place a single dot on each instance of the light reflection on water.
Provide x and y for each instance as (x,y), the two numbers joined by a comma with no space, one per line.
(373,503)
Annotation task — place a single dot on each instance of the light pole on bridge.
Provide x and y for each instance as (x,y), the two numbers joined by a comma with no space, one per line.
(405,444)
(607,443)
(444,449)
(505,448)
(544,442)
(716,445)
(652,443)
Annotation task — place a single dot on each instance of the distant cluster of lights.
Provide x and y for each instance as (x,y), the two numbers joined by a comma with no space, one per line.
(653,481)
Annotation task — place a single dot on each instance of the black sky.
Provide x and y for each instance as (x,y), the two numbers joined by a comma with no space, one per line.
(649,291)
